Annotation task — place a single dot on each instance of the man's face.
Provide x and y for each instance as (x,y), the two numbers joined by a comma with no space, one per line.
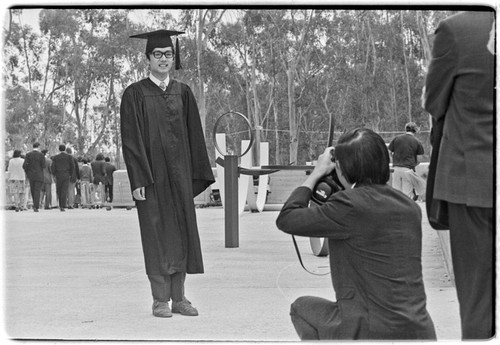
(160,66)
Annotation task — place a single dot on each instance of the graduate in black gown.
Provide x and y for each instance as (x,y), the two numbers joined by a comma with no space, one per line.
(167,163)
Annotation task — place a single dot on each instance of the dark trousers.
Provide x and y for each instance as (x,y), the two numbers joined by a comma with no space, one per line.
(35,188)
(471,238)
(46,194)
(62,185)
(314,318)
(168,287)
(109,192)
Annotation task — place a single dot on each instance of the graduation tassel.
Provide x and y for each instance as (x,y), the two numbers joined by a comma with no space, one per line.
(177,55)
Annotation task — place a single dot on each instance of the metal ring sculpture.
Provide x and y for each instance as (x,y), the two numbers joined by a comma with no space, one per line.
(249,129)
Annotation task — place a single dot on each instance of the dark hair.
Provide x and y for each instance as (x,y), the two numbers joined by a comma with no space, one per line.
(99,157)
(85,160)
(107,159)
(363,157)
(36,144)
(69,150)
(62,147)
(17,153)
(44,151)
(411,127)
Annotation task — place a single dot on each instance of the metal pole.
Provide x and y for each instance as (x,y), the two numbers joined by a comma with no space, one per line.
(231,201)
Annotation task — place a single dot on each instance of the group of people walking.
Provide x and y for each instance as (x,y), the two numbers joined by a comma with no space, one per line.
(79,182)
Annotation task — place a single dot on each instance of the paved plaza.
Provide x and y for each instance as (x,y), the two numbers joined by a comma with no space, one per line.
(79,275)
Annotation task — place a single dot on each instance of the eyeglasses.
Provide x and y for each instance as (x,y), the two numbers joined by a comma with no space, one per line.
(158,54)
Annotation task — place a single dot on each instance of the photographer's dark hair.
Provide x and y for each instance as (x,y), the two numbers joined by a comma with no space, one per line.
(363,157)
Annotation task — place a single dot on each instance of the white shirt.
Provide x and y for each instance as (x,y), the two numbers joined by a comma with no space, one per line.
(15,169)
(158,81)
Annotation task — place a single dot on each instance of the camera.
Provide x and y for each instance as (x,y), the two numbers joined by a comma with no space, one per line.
(327,185)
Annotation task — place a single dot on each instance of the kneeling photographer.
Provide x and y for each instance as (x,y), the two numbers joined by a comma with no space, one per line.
(375,243)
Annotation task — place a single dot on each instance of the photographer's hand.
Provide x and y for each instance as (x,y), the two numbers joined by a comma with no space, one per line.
(324,166)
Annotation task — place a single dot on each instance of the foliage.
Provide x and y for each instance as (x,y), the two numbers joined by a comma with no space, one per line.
(291,71)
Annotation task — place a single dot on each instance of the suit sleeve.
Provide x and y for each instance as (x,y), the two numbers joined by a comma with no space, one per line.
(71,164)
(442,70)
(53,166)
(42,162)
(134,150)
(76,168)
(26,163)
(328,220)
(201,170)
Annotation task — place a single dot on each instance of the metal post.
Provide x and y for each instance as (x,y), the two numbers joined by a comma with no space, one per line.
(231,201)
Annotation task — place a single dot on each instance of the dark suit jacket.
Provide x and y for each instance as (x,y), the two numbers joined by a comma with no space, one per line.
(62,165)
(460,88)
(99,171)
(76,170)
(375,242)
(110,169)
(34,163)
(47,172)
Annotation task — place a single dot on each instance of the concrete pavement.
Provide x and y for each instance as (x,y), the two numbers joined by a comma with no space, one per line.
(79,275)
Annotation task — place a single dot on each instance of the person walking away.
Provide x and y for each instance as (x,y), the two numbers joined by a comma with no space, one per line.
(405,150)
(99,171)
(167,164)
(86,183)
(46,192)
(460,90)
(62,169)
(110,169)
(33,166)
(73,180)
(16,179)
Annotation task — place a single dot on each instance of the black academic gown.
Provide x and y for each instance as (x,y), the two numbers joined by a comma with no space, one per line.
(164,151)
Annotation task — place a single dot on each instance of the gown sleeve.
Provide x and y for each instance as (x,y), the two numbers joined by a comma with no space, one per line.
(132,129)
(202,175)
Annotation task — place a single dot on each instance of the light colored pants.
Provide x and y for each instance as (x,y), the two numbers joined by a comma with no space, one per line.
(87,189)
(406,180)
(71,193)
(99,194)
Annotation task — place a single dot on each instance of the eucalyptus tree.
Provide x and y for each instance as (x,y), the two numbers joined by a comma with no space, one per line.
(31,83)
(87,45)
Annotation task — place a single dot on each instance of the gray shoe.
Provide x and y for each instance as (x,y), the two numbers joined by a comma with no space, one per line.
(184,307)
(161,309)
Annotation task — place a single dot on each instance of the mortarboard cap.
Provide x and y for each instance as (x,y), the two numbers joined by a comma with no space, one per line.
(161,39)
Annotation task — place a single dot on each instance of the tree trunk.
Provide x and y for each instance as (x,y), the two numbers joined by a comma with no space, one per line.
(408,88)
(201,81)
(277,154)
(292,117)
(256,111)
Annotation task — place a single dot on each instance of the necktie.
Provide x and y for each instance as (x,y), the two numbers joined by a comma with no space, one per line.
(163,86)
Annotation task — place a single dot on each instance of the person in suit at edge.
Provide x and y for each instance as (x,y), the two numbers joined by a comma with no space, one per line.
(34,163)
(459,89)
(374,235)
(62,169)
